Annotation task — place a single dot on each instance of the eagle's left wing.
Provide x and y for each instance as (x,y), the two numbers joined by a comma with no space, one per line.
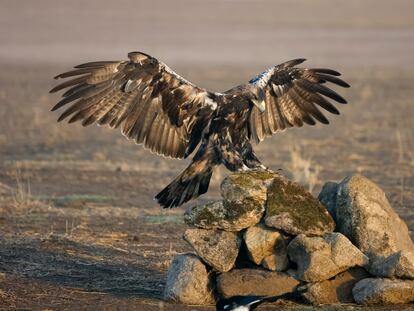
(151,104)
(292,96)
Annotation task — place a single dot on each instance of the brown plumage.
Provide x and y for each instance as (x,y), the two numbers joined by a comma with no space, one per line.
(169,115)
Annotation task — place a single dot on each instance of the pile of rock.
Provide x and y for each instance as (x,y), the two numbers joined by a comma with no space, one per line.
(269,236)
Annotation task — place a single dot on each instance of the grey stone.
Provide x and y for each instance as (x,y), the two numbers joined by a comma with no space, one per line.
(266,246)
(320,258)
(276,262)
(383,291)
(217,248)
(216,215)
(364,215)
(188,281)
(294,210)
(398,265)
(328,196)
(244,196)
(255,282)
(335,290)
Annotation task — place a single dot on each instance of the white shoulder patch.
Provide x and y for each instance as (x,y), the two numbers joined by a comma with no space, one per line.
(262,79)
(210,102)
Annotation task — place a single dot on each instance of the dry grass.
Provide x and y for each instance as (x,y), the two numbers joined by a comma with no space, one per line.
(22,200)
(303,169)
(81,223)
(22,195)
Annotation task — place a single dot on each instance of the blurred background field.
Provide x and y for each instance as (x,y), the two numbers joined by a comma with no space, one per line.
(78,226)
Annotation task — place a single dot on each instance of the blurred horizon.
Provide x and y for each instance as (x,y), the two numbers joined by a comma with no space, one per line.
(209,33)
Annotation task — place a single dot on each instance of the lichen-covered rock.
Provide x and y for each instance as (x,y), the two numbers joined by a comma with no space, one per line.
(217,248)
(398,265)
(245,193)
(335,290)
(363,213)
(294,210)
(320,258)
(188,281)
(216,215)
(383,291)
(255,282)
(266,246)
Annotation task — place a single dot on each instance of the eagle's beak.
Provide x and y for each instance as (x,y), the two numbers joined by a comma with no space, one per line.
(261,105)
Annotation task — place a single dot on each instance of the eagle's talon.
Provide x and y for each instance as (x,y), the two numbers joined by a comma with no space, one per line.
(244,168)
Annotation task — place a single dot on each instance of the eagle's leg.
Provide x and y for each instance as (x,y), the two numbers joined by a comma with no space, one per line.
(233,161)
(231,157)
(253,162)
(249,157)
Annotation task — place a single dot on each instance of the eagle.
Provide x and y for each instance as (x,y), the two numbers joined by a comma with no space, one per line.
(172,117)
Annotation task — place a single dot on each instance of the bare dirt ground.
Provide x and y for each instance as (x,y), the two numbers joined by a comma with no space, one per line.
(78,226)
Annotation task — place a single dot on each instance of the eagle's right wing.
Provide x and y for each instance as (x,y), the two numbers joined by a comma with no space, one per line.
(151,103)
(292,96)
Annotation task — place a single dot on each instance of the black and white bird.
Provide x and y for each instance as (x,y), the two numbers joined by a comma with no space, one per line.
(240,303)
(248,303)
(169,115)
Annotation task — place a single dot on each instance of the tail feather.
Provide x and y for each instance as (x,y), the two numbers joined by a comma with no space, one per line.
(190,184)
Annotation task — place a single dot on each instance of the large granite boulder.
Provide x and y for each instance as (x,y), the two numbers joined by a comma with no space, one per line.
(217,248)
(294,210)
(188,281)
(255,282)
(266,246)
(335,290)
(244,197)
(363,213)
(397,265)
(383,291)
(320,258)
(217,215)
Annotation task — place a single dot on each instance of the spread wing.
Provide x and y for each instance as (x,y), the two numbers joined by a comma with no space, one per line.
(293,97)
(151,104)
